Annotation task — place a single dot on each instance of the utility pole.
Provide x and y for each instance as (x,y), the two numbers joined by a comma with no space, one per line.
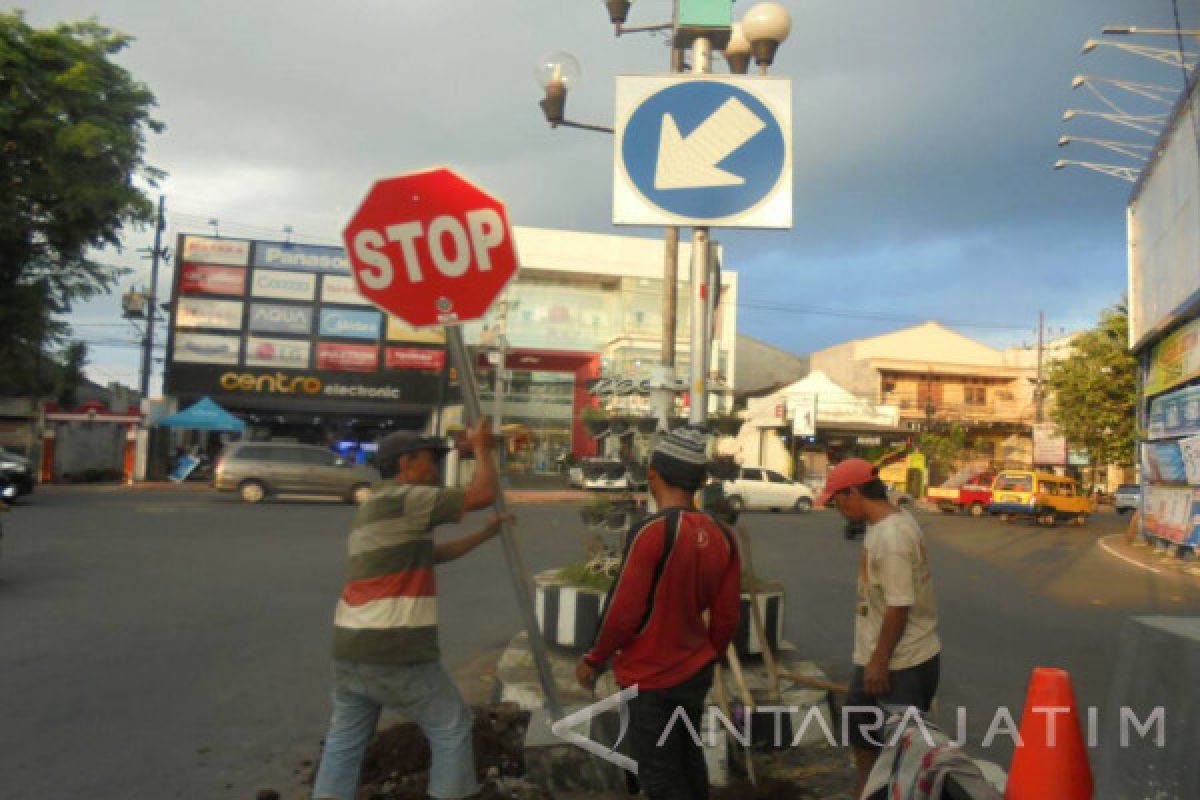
(1039,393)
(152,304)
(663,379)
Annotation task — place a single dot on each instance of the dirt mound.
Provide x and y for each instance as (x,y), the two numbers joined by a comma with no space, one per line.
(396,766)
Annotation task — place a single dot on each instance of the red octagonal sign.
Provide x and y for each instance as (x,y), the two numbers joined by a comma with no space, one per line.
(431,248)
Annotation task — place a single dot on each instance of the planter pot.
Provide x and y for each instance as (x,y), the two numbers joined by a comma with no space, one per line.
(595,427)
(568,616)
(618,426)
(727,426)
(770,605)
(591,516)
(646,424)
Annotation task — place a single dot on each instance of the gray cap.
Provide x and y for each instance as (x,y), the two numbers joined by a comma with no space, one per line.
(397,444)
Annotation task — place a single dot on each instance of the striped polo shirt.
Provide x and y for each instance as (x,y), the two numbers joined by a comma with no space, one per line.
(387,613)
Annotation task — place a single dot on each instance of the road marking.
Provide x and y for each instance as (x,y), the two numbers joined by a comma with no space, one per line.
(1127,559)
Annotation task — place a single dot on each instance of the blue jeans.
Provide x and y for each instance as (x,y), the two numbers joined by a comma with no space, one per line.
(422,692)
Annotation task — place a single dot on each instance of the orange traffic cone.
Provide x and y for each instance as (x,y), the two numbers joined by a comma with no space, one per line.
(1051,760)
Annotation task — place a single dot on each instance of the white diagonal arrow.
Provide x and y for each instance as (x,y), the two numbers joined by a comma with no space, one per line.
(691,163)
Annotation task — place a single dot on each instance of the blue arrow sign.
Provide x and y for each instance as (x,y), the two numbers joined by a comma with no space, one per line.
(704,150)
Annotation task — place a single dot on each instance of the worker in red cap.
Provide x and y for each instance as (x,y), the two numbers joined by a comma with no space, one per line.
(896,645)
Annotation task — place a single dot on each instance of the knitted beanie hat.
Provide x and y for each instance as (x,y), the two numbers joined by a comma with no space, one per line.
(681,458)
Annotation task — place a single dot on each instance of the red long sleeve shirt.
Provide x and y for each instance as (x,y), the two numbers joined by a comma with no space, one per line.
(658,631)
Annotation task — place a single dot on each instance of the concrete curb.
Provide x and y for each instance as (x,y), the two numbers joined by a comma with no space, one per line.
(516,496)
(1147,556)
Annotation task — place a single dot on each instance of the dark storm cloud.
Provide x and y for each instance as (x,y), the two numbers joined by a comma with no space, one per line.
(924,133)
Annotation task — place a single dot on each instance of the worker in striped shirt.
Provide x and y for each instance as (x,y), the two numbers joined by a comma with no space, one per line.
(385,642)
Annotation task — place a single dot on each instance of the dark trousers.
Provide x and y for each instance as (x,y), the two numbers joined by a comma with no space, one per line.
(676,770)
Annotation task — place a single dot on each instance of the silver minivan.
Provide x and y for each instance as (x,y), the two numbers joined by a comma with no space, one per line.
(257,470)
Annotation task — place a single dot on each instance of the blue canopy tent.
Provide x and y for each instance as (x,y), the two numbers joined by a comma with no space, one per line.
(204,415)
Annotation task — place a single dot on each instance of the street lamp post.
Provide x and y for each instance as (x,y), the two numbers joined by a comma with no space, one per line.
(763,29)
(765,26)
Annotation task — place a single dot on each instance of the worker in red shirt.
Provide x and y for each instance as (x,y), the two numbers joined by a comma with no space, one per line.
(678,565)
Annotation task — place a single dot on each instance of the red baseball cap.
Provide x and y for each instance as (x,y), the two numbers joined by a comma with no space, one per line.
(848,474)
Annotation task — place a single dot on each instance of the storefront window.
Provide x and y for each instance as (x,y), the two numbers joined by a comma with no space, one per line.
(537,418)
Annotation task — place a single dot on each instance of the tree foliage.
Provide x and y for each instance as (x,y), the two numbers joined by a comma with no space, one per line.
(1094,391)
(73,127)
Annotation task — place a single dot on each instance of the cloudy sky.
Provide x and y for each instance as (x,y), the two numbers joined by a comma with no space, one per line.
(924,133)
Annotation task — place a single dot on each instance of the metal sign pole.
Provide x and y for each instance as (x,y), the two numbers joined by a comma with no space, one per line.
(698,414)
(469,389)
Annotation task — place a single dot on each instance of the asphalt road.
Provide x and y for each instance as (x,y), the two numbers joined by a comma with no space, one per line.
(174,645)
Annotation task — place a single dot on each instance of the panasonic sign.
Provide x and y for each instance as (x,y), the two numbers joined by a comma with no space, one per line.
(306,257)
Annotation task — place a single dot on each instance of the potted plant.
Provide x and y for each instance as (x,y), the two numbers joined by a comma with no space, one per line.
(595,420)
(646,424)
(726,424)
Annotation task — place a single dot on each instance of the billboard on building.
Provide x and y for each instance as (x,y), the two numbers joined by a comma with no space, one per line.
(198,312)
(280,327)
(278,318)
(1049,446)
(205,348)
(289,353)
(212,279)
(803,411)
(341,290)
(281,285)
(1164,229)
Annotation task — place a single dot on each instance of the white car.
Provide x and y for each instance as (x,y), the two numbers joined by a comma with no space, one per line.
(758,489)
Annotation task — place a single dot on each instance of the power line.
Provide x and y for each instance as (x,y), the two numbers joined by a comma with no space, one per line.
(881,316)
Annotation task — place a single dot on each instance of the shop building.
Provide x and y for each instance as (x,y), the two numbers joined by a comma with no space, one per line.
(798,429)
(1164,329)
(580,329)
(937,378)
(276,333)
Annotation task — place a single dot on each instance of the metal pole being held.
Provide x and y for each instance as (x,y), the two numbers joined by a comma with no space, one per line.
(469,388)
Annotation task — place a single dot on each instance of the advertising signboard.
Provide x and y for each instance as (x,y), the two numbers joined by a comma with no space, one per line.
(206,348)
(289,353)
(281,285)
(414,358)
(1164,229)
(400,331)
(207,279)
(347,357)
(1189,451)
(350,324)
(277,318)
(341,290)
(207,250)
(1170,513)
(1049,446)
(803,410)
(1175,359)
(301,257)
(197,312)
(285,330)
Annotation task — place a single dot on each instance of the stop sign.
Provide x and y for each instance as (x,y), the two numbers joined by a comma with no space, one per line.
(431,248)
